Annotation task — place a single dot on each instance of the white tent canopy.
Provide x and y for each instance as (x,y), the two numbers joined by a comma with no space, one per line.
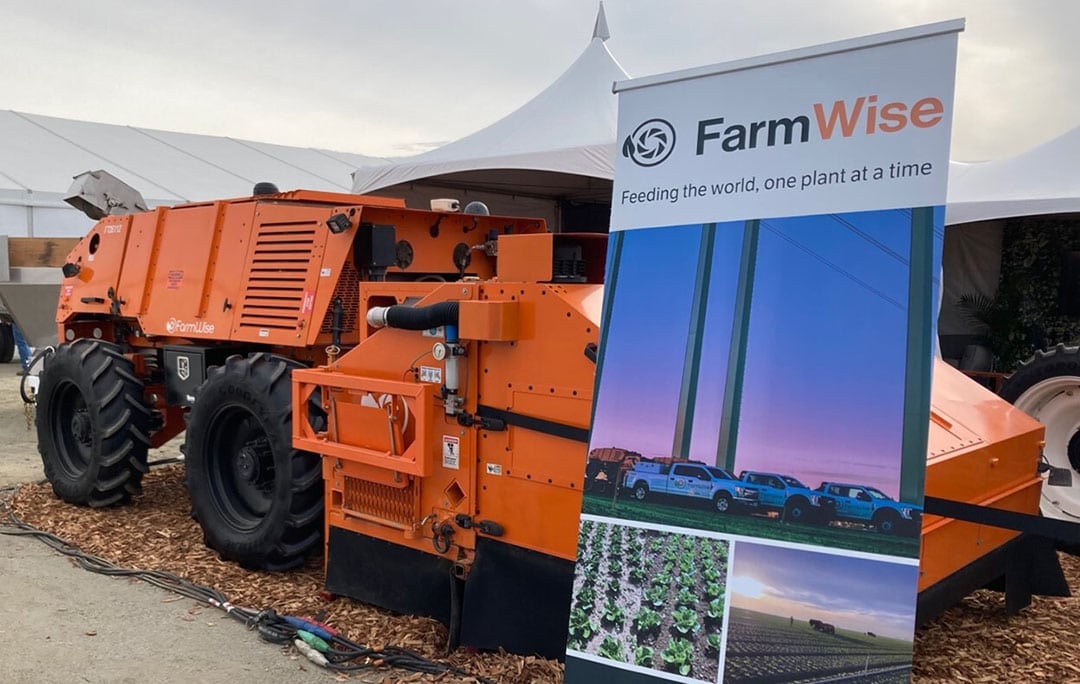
(1042,180)
(557,146)
(40,154)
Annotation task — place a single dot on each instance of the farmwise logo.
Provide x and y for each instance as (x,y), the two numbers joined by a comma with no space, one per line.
(653,141)
(179,326)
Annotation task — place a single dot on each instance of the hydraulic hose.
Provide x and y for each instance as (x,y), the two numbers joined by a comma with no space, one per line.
(414,317)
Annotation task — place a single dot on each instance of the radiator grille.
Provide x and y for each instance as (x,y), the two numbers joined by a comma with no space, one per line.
(274,291)
(348,289)
(380,501)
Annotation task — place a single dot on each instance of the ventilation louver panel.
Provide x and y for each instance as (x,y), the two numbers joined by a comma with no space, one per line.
(274,291)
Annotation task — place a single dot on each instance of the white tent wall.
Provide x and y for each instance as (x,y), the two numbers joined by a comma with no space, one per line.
(559,145)
(30,214)
(39,155)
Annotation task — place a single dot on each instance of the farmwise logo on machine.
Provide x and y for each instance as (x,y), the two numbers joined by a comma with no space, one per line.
(653,141)
(176,326)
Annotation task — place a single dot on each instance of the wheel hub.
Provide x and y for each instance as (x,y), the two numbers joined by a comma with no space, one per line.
(247,464)
(1073,451)
(1055,403)
(82,427)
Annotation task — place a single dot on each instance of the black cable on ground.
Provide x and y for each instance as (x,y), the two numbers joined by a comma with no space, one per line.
(320,643)
(40,354)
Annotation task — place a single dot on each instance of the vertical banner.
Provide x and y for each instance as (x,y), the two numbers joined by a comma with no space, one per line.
(752,504)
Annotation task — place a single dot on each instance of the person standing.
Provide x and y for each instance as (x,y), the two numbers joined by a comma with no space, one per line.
(23,347)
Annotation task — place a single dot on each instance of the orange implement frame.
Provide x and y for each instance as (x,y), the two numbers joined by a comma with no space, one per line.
(379,423)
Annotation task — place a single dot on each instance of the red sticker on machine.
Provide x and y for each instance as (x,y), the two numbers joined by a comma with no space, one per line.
(176,279)
(309,302)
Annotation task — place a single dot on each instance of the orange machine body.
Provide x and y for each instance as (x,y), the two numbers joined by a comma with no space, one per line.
(982,451)
(256,270)
(416,493)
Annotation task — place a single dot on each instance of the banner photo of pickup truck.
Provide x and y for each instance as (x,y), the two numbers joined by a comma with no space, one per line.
(758,444)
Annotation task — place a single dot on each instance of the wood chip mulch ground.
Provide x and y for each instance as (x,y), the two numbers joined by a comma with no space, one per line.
(972,642)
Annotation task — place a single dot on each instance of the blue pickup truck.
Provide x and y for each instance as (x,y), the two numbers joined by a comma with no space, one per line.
(870,506)
(794,501)
(693,480)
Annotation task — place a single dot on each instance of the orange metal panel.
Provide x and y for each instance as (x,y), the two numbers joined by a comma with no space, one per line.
(981,451)
(99,256)
(526,258)
(949,545)
(491,321)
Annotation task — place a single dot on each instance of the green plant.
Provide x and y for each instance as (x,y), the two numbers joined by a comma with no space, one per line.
(687,559)
(686,620)
(614,613)
(685,597)
(713,589)
(715,610)
(647,620)
(614,567)
(643,656)
(713,641)
(586,596)
(614,586)
(611,649)
(581,627)
(637,575)
(656,595)
(662,580)
(678,655)
(1027,313)
(711,575)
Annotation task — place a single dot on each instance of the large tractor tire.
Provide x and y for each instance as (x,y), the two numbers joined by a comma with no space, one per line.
(259,500)
(93,424)
(7,342)
(1047,387)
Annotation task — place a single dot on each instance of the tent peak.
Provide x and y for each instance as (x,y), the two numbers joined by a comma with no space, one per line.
(600,29)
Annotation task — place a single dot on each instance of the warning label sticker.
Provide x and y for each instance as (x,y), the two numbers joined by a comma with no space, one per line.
(451,452)
(431,374)
(494,469)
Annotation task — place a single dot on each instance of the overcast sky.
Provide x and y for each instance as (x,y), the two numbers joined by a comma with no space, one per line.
(393,77)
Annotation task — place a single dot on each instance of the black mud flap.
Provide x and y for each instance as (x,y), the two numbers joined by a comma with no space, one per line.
(1021,568)
(514,598)
(517,599)
(388,575)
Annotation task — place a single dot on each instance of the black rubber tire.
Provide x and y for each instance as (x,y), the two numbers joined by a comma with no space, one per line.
(7,342)
(248,403)
(1043,365)
(723,503)
(797,510)
(641,491)
(93,424)
(887,521)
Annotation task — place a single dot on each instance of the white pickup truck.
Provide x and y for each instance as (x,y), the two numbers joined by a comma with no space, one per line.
(691,480)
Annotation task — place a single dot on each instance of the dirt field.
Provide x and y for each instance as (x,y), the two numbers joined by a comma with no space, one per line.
(120,631)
